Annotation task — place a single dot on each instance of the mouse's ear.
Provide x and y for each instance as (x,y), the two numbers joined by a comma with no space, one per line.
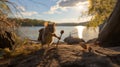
(45,24)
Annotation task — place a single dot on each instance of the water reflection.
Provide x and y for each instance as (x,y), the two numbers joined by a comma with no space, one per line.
(87,33)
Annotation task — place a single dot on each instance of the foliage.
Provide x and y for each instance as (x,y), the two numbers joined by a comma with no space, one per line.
(100,10)
(28,22)
(5,24)
(7,27)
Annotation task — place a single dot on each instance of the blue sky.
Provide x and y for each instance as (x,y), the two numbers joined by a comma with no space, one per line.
(58,11)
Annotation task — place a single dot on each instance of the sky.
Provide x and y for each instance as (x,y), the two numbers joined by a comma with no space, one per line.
(59,11)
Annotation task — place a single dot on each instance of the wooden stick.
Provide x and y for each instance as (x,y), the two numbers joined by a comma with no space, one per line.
(62,31)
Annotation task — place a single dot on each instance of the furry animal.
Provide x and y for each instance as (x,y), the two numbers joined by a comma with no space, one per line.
(47,33)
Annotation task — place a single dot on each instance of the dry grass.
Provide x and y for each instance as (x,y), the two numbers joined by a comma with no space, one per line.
(25,49)
(21,48)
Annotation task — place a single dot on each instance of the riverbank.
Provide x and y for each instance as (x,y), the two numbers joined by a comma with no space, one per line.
(67,56)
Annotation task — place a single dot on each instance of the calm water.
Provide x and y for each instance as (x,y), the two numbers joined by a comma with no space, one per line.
(76,31)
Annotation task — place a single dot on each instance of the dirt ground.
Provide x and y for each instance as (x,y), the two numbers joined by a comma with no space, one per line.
(68,56)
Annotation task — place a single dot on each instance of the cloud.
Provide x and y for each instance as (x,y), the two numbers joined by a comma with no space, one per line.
(83,6)
(30,13)
(64,4)
(69,3)
(21,8)
(24,12)
(53,10)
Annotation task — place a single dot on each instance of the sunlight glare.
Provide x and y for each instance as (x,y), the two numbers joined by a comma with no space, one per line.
(80,30)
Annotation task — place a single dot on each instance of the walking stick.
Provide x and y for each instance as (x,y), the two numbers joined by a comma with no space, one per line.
(61,32)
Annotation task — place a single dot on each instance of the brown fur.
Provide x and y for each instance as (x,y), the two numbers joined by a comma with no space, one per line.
(47,33)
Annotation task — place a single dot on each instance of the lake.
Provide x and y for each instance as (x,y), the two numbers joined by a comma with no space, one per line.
(76,31)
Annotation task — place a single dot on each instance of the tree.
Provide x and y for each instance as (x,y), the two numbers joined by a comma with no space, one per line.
(7,36)
(110,34)
(100,10)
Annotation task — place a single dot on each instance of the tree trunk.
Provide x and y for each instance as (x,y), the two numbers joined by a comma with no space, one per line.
(110,34)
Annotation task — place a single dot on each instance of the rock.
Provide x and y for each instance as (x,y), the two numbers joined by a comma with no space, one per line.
(73,40)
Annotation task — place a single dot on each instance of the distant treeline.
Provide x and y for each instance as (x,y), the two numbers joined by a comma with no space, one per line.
(36,22)
(29,22)
(72,24)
